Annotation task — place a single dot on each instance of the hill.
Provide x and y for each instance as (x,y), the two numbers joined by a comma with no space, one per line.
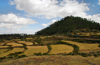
(68,24)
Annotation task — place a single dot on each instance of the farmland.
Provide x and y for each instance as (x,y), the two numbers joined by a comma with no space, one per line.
(49,48)
(60,48)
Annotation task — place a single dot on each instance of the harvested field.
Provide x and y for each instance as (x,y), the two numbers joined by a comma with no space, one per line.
(3,50)
(61,48)
(54,60)
(21,41)
(85,46)
(12,51)
(35,49)
(14,44)
(26,43)
(4,46)
(29,38)
(17,39)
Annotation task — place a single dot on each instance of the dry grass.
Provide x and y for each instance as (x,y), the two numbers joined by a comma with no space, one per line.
(17,39)
(60,48)
(35,49)
(14,44)
(12,51)
(3,50)
(21,41)
(29,38)
(26,43)
(4,46)
(54,60)
(85,46)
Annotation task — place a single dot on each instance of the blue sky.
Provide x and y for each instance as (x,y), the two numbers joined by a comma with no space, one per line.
(29,16)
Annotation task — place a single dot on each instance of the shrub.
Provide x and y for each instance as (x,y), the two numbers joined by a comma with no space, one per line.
(38,54)
(84,54)
(49,47)
(45,53)
(99,45)
(96,55)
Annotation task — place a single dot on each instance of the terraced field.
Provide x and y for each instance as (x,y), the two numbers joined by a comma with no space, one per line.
(13,44)
(84,46)
(35,49)
(12,51)
(2,44)
(3,50)
(61,48)
(3,47)
(26,43)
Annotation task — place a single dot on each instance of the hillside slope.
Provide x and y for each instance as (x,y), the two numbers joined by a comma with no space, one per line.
(69,23)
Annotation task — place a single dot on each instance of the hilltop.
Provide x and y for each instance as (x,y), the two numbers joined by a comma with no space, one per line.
(69,24)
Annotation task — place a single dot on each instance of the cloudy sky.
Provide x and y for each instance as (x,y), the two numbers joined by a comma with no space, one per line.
(29,16)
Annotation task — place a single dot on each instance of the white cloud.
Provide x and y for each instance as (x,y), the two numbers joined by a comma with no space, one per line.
(49,23)
(51,8)
(99,2)
(14,19)
(12,22)
(11,31)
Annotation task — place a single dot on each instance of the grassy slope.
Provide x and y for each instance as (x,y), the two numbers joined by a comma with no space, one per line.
(54,60)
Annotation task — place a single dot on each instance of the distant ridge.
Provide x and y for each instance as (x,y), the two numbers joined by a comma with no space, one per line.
(69,23)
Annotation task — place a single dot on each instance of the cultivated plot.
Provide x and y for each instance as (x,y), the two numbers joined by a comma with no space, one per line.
(14,44)
(61,48)
(4,47)
(35,49)
(3,50)
(12,51)
(26,43)
(85,46)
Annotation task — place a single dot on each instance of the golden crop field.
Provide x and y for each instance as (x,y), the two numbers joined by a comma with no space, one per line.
(12,51)
(61,48)
(29,38)
(21,41)
(4,46)
(35,49)
(14,44)
(84,46)
(26,43)
(3,50)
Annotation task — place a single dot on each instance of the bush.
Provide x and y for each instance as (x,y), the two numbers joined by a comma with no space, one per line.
(96,55)
(38,54)
(84,54)
(10,56)
(45,53)
(49,47)
(99,45)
